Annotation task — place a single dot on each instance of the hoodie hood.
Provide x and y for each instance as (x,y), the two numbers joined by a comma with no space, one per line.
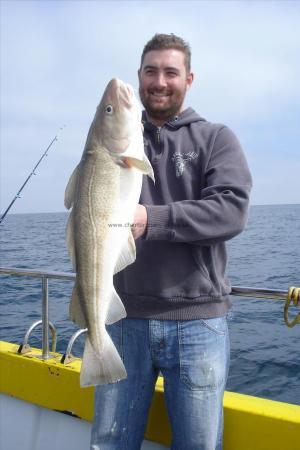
(185,118)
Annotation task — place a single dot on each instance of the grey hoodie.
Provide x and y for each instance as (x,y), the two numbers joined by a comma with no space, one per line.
(199,200)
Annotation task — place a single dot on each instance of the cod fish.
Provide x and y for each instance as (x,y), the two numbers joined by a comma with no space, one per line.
(103,192)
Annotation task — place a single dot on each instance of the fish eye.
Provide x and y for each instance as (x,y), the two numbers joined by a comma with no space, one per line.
(109,109)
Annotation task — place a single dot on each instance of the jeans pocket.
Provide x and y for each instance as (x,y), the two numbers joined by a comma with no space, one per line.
(218,325)
(203,353)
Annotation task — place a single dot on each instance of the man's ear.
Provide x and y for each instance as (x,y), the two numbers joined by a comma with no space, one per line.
(189,80)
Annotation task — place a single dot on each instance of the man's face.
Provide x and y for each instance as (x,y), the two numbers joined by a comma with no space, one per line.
(163,83)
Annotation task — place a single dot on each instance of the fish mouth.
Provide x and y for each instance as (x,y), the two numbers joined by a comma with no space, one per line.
(126,95)
(123,93)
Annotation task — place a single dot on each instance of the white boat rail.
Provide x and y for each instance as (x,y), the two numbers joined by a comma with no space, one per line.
(291,295)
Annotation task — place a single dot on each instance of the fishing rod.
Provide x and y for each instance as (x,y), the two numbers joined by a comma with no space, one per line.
(28,178)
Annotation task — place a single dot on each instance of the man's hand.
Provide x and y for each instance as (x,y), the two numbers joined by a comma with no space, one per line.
(139,225)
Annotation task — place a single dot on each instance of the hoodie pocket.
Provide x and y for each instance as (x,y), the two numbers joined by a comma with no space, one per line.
(202,259)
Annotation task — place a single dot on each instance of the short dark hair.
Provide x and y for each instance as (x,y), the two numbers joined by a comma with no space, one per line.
(166,41)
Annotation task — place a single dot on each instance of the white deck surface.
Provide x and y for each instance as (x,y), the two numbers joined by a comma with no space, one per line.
(29,427)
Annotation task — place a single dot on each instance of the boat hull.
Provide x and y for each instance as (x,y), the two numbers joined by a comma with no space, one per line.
(250,422)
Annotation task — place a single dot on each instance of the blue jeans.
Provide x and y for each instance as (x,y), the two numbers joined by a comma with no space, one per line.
(193,357)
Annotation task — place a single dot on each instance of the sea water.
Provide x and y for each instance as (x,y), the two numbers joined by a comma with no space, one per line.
(265,354)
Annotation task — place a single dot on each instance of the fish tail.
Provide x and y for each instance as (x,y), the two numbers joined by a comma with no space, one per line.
(103,368)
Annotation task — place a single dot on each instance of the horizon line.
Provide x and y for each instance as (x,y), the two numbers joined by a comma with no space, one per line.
(68,212)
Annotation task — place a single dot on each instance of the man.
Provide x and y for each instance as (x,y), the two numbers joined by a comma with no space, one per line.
(176,293)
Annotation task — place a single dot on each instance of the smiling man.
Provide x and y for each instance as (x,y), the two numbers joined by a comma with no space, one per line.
(164,78)
(176,293)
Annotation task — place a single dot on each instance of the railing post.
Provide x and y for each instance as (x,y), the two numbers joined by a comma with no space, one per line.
(45,318)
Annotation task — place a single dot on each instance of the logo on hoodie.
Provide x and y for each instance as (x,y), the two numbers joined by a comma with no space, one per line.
(181,159)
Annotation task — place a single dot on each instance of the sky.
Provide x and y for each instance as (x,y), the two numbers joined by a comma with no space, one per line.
(56,57)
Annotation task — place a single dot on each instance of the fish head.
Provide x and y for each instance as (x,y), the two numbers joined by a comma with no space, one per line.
(118,118)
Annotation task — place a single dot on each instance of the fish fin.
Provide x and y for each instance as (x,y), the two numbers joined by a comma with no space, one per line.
(71,188)
(143,165)
(70,240)
(75,309)
(116,310)
(127,255)
(101,369)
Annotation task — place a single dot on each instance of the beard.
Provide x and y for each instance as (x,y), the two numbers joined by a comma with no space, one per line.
(162,112)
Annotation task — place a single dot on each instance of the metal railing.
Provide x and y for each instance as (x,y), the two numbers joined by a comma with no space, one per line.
(44,276)
(289,295)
